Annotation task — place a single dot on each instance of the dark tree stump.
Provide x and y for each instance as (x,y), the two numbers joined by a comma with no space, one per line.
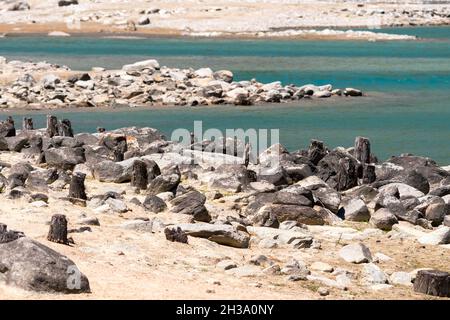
(7,128)
(8,236)
(347,176)
(27,124)
(176,235)
(433,283)
(247,154)
(52,126)
(58,229)
(369,175)
(65,128)
(192,140)
(362,149)
(139,176)
(77,189)
(316,151)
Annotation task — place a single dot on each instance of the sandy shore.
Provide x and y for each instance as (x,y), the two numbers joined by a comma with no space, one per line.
(288,18)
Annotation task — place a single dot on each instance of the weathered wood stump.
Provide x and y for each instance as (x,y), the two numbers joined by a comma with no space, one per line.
(176,235)
(347,176)
(52,126)
(7,128)
(433,283)
(369,175)
(65,128)
(8,236)
(362,149)
(247,154)
(27,124)
(58,229)
(139,175)
(316,151)
(77,189)
(192,140)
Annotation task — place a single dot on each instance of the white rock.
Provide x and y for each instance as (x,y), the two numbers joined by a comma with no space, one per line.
(356,253)
(321,266)
(39,204)
(204,73)
(58,34)
(141,65)
(379,257)
(117,205)
(374,275)
(438,236)
(404,190)
(401,278)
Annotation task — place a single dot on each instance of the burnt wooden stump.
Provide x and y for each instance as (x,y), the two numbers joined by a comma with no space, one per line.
(316,151)
(433,283)
(176,235)
(362,149)
(247,154)
(369,175)
(65,128)
(7,128)
(347,175)
(139,175)
(27,124)
(77,189)
(58,229)
(8,236)
(52,126)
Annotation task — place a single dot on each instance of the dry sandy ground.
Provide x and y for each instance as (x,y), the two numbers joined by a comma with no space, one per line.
(124,264)
(225,18)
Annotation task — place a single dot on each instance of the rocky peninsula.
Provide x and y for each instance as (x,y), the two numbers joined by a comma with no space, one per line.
(41,85)
(132,213)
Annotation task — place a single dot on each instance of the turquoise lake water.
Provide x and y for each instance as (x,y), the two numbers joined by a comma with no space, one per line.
(407,107)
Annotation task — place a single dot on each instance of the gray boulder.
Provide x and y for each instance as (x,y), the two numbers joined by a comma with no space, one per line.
(355,253)
(64,158)
(154,204)
(355,210)
(222,234)
(30,265)
(383,219)
(191,203)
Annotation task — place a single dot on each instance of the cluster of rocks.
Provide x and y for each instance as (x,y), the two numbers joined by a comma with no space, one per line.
(309,192)
(143,83)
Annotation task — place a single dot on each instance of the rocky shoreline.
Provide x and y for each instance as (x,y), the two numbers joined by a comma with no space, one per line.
(41,85)
(285,18)
(312,221)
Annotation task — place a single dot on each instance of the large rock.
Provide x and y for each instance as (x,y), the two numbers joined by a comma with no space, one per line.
(296,237)
(374,275)
(356,253)
(404,190)
(141,65)
(425,166)
(30,265)
(295,196)
(191,203)
(436,213)
(164,183)
(438,236)
(64,158)
(383,219)
(231,177)
(222,234)
(116,172)
(355,210)
(274,214)
(154,204)
(338,170)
